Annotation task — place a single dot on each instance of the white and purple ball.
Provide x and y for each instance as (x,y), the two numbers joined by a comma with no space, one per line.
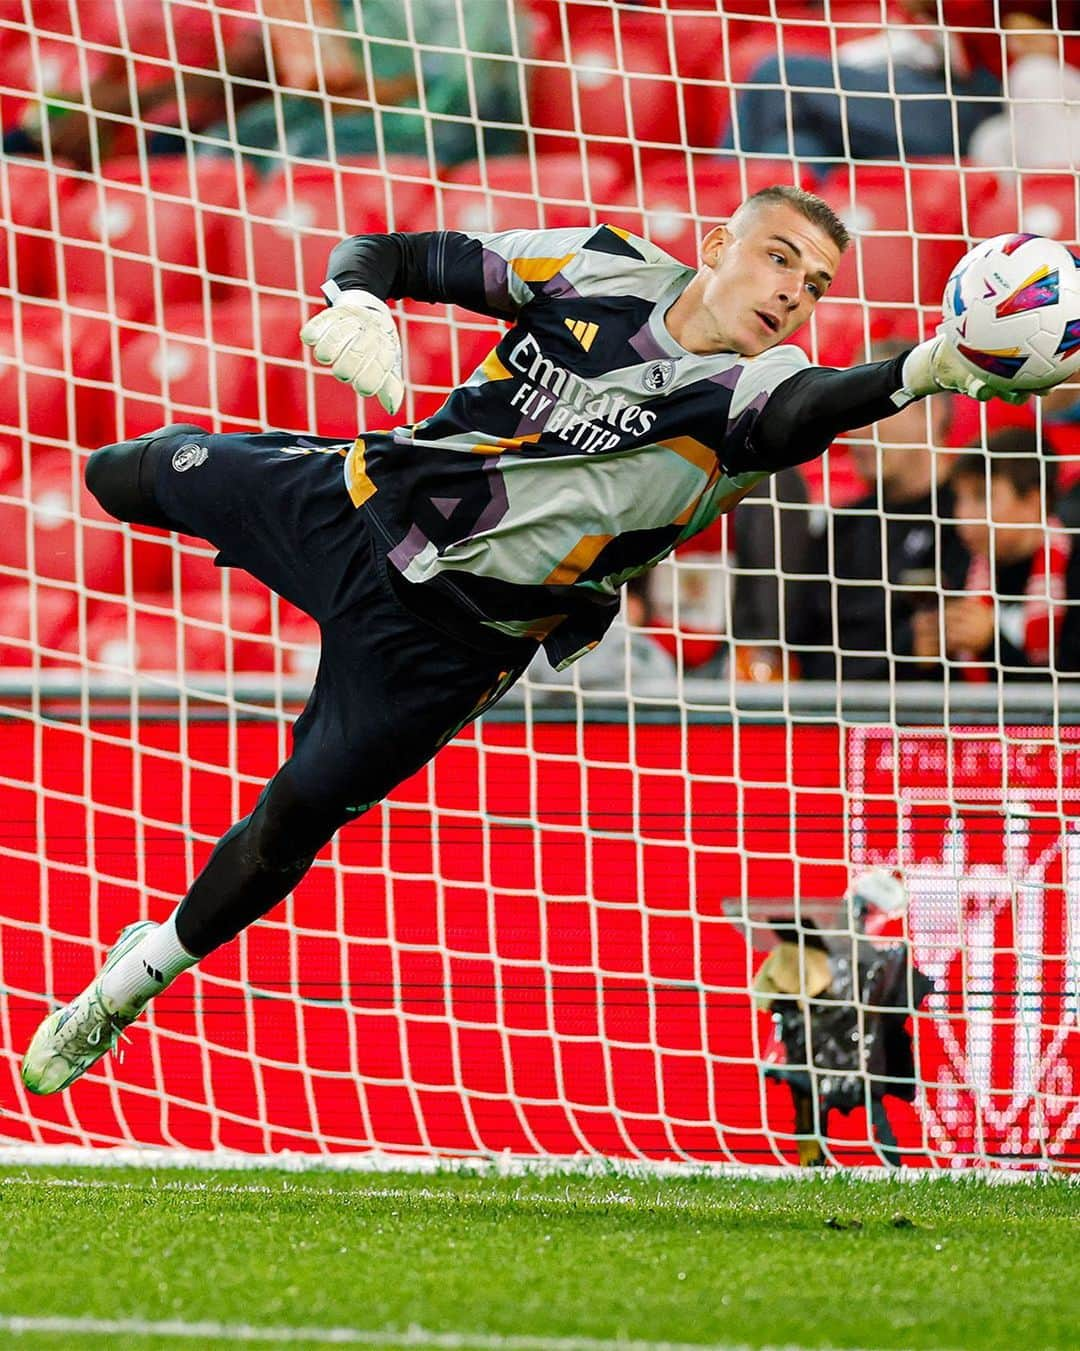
(1012,311)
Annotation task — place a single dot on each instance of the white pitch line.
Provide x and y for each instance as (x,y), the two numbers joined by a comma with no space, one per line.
(412,1336)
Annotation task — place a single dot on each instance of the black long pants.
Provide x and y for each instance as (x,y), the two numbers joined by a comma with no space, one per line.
(390,689)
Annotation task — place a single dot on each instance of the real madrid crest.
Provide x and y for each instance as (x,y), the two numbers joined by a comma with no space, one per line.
(189,456)
(658,375)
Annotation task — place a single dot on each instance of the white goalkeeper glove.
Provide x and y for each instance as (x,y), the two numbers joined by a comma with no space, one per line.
(935,366)
(357,339)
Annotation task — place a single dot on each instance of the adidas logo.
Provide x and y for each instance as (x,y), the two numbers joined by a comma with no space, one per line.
(584,332)
(152,973)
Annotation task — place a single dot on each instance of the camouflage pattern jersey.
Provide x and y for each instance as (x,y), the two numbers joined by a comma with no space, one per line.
(586,446)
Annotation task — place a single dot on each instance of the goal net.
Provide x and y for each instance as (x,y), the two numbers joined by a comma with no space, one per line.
(728,892)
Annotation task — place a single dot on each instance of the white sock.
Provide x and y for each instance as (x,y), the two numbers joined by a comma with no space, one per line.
(147,969)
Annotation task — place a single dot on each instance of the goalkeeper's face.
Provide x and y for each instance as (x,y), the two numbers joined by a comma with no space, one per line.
(764,273)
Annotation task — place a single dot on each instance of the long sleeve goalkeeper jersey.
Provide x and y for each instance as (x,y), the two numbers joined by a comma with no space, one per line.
(588,443)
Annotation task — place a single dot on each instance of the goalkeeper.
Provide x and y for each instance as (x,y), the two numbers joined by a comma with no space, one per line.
(632,400)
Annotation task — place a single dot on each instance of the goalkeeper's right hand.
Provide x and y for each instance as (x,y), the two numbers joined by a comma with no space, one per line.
(935,366)
(357,339)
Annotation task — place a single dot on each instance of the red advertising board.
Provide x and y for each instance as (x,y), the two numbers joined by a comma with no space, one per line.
(530,947)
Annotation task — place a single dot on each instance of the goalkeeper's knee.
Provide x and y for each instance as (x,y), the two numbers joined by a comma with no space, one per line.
(120,480)
(121,476)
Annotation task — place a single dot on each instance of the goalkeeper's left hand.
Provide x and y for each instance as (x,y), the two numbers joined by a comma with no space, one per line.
(357,339)
(935,366)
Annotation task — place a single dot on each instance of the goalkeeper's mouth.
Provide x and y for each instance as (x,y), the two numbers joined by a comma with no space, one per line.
(770,322)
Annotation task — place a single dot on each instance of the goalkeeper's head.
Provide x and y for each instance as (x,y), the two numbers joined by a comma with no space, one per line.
(761,274)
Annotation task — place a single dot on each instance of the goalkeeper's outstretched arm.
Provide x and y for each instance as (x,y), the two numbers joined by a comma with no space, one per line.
(492,275)
(807,411)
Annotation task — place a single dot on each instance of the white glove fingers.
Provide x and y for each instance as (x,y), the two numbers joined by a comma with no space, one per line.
(363,367)
(391,392)
(336,341)
(309,334)
(358,340)
(317,327)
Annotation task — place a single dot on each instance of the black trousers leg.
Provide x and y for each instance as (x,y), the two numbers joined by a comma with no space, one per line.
(256,864)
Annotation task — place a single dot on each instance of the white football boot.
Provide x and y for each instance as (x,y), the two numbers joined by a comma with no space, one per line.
(76,1036)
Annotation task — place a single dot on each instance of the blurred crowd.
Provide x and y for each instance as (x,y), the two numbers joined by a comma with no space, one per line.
(995,81)
(960,564)
(938,542)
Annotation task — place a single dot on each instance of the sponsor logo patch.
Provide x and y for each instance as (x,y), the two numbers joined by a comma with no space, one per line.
(189,456)
(584,332)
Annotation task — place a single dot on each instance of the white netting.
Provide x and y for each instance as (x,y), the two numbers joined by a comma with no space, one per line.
(548,941)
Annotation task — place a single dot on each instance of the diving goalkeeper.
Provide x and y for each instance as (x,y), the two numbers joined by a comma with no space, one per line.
(632,400)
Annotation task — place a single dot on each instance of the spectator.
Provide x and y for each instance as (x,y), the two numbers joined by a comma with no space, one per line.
(628,658)
(772,543)
(913,76)
(136,95)
(722,606)
(394,75)
(1040,125)
(886,556)
(1020,607)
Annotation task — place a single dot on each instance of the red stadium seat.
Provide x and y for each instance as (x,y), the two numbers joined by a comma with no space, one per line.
(297,217)
(31,387)
(907,228)
(54,372)
(840,328)
(134,636)
(207,634)
(161,222)
(298,637)
(1033,203)
(36,618)
(969,417)
(626,82)
(516,192)
(835,335)
(240,366)
(220,633)
(437,356)
(832,479)
(199,573)
(973,187)
(12,455)
(186,374)
(679,203)
(51,526)
(47,54)
(592,96)
(147,634)
(16,97)
(26,209)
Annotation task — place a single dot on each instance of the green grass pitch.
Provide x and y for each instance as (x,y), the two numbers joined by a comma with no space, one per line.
(145,1259)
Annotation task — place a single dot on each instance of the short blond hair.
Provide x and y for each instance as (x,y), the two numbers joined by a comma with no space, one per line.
(817,211)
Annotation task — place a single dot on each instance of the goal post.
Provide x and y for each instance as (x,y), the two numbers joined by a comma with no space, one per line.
(627,915)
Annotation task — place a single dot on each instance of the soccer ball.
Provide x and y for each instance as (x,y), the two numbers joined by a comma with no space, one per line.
(1012,311)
